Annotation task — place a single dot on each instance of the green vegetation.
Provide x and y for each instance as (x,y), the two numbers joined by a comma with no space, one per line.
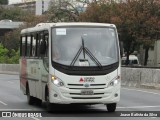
(12,13)
(3,2)
(10,41)
(7,56)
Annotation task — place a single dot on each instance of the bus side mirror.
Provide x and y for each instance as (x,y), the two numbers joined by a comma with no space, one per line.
(43,47)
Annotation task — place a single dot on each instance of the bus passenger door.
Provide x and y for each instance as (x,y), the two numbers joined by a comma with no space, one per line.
(44,64)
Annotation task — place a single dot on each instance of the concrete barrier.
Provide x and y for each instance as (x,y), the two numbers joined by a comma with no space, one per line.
(131,77)
(9,68)
(141,77)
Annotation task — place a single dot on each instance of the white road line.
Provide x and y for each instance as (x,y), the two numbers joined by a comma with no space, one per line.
(142,91)
(15,109)
(35,118)
(138,107)
(3,103)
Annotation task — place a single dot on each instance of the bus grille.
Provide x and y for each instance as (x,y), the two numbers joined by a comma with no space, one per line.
(81,86)
(98,91)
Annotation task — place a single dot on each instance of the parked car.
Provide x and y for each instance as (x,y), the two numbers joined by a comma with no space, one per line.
(133,60)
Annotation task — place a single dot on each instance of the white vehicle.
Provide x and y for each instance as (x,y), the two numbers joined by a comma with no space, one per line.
(71,63)
(133,60)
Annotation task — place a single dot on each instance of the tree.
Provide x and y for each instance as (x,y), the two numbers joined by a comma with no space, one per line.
(3,54)
(4,58)
(13,13)
(14,57)
(3,2)
(66,10)
(11,39)
(137,21)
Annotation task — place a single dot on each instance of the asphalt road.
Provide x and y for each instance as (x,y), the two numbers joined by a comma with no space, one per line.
(12,99)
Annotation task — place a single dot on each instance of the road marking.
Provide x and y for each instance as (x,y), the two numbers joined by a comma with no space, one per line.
(143,91)
(139,107)
(3,103)
(35,118)
(16,110)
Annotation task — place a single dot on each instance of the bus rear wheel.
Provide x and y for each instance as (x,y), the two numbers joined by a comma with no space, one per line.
(30,99)
(111,107)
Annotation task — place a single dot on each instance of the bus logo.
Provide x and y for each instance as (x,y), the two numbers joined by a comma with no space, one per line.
(81,80)
(87,79)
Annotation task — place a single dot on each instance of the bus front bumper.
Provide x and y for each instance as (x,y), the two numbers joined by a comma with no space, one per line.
(101,96)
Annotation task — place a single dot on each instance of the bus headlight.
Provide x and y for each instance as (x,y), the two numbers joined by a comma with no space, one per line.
(115,81)
(56,81)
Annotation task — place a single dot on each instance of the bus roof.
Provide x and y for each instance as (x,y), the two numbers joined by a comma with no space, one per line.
(46,26)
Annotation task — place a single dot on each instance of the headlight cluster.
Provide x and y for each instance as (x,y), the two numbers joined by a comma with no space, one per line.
(56,81)
(115,81)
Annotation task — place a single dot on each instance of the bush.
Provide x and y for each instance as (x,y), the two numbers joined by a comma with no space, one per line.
(8,57)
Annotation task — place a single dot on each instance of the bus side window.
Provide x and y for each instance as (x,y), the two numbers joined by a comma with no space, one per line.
(47,52)
(38,39)
(28,46)
(23,41)
(33,46)
(44,45)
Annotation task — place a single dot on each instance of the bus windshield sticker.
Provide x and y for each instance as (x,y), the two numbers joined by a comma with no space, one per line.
(60,31)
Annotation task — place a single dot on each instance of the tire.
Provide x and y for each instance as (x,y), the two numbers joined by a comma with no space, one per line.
(111,107)
(48,104)
(30,99)
(38,102)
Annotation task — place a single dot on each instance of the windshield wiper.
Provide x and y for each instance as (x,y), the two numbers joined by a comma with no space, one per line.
(85,50)
(83,47)
(94,59)
(76,57)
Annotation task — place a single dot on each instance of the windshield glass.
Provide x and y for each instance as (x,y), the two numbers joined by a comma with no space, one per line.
(100,42)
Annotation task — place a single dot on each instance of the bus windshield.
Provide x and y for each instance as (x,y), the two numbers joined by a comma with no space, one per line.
(101,43)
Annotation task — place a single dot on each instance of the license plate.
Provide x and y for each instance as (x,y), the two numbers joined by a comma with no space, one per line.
(87,92)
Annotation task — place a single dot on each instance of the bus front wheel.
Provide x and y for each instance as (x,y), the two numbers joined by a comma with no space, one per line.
(48,104)
(111,107)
